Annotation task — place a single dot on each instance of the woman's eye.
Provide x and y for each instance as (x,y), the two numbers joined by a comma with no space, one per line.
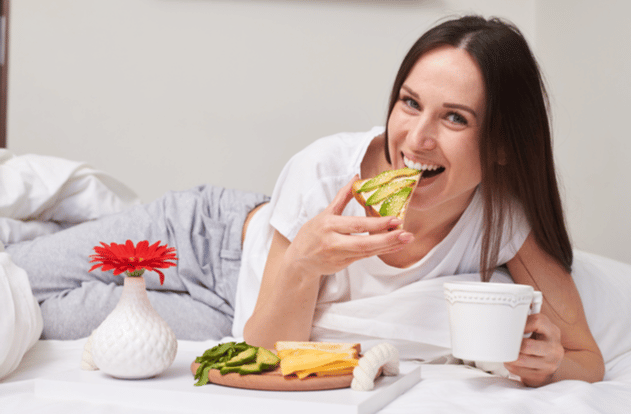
(411,103)
(457,118)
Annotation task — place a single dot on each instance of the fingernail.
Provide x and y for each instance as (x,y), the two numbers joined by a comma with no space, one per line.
(394,222)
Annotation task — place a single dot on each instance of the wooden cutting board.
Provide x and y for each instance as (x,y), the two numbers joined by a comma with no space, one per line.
(275,381)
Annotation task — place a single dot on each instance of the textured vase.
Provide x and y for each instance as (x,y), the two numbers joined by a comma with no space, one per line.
(133,342)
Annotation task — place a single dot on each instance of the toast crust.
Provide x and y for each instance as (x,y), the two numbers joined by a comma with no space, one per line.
(370,210)
(321,346)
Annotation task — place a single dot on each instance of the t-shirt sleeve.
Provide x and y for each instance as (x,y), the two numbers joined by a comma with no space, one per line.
(307,185)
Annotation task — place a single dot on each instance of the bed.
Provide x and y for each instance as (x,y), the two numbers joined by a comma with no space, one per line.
(39,195)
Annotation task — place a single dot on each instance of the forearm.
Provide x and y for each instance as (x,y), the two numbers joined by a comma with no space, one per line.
(580,365)
(286,311)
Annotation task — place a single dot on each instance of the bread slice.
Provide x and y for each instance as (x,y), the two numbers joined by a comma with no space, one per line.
(337,347)
(388,193)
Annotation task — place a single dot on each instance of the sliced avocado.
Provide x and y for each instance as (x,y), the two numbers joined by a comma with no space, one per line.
(385,177)
(243,357)
(226,370)
(218,365)
(393,205)
(254,368)
(388,189)
(267,359)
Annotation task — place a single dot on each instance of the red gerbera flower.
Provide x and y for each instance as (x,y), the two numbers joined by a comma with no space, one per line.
(133,260)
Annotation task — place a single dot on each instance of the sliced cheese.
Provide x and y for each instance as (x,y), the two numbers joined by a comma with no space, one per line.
(293,361)
(333,368)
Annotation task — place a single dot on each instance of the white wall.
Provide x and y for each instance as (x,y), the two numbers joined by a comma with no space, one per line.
(584,49)
(169,94)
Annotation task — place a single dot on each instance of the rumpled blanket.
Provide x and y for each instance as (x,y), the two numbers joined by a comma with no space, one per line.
(415,317)
(40,195)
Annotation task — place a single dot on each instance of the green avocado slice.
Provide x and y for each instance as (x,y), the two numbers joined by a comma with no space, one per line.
(385,177)
(393,205)
(243,357)
(388,189)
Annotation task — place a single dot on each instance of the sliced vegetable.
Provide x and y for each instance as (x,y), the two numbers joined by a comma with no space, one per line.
(388,189)
(385,177)
(234,357)
(394,203)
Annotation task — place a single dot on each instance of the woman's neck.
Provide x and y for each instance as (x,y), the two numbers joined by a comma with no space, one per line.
(429,229)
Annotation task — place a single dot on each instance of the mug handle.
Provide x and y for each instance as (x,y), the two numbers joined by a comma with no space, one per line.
(536,306)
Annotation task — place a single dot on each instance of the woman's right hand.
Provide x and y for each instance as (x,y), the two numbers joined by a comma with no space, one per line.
(330,242)
(324,245)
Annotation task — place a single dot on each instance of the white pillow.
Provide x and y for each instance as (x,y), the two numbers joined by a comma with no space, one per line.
(21,320)
(604,286)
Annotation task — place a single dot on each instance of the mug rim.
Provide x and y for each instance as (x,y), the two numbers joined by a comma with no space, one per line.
(488,287)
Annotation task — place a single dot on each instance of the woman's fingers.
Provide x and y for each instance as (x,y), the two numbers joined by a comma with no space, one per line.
(330,242)
(358,225)
(540,355)
(343,197)
(358,246)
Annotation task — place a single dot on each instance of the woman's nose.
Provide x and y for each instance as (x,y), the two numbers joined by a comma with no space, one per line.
(424,134)
(428,144)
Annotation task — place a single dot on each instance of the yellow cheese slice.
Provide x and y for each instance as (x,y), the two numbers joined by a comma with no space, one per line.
(333,368)
(307,359)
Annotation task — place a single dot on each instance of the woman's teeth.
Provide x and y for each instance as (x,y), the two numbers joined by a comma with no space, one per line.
(419,166)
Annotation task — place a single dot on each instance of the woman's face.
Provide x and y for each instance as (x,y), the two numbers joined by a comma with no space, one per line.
(436,126)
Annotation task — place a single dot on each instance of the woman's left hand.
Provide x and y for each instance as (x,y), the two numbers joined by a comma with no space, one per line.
(541,354)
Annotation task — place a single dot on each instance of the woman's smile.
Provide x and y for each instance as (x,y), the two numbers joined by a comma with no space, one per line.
(428,169)
(435,127)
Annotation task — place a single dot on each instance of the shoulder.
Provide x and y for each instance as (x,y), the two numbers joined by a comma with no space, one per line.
(341,152)
(312,177)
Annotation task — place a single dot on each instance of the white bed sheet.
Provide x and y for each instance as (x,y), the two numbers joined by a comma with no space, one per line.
(442,388)
(59,191)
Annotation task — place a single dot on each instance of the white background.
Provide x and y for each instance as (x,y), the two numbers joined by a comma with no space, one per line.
(169,94)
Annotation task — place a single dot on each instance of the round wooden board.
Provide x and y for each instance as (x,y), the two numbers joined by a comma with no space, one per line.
(274,381)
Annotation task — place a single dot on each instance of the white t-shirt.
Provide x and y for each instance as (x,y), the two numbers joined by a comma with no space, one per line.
(308,184)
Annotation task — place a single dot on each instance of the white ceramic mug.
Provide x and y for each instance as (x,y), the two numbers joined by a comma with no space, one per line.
(487,320)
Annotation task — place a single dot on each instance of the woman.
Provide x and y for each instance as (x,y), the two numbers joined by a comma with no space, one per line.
(469,103)
(467,107)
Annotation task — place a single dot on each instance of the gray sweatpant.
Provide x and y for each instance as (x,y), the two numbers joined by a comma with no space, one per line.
(197,299)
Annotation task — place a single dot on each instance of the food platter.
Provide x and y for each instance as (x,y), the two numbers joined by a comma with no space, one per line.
(275,381)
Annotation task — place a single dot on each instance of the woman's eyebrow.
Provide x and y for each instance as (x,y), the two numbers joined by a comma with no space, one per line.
(410,91)
(446,105)
(461,107)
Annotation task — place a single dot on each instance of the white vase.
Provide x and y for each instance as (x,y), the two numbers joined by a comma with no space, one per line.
(133,342)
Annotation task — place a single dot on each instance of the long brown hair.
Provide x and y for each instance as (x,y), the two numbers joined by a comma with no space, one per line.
(515,149)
